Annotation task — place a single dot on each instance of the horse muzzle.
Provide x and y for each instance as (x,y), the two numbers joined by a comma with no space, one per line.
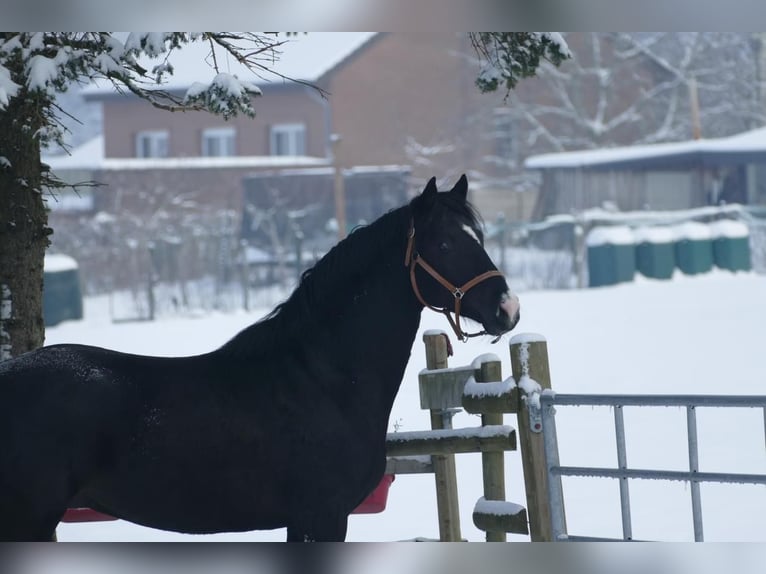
(507,315)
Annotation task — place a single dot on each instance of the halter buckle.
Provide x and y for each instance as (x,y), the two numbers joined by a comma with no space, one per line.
(457,293)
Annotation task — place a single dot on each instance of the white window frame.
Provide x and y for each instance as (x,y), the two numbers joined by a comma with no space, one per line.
(157,143)
(287,139)
(219,142)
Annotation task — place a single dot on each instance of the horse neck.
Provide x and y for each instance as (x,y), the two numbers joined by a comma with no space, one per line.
(352,337)
(360,287)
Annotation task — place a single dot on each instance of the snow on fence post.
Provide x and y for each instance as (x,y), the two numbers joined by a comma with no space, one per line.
(437,352)
(529,361)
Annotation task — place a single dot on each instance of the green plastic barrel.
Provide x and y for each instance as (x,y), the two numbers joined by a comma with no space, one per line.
(62,296)
(611,256)
(655,252)
(694,248)
(731,245)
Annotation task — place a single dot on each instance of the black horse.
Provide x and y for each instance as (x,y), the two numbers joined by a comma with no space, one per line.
(284,425)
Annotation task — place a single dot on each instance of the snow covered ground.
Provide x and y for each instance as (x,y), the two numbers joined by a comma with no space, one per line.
(691,335)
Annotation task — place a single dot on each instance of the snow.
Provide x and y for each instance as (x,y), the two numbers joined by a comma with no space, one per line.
(6,308)
(485,358)
(42,71)
(617,235)
(488,431)
(692,230)
(492,389)
(58,262)
(689,335)
(750,141)
(8,88)
(497,507)
(526,338)
(90,156)
(655,235)
(6,313)
(558,39)
(729,229)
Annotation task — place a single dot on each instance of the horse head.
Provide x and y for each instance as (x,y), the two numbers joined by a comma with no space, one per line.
(449,269)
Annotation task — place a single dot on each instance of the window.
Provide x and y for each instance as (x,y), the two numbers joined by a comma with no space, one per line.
(152,143)
(288,139)
(218,142)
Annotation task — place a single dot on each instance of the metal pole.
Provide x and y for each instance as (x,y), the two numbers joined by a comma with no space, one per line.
(691,426)
(622,463)
(555,489)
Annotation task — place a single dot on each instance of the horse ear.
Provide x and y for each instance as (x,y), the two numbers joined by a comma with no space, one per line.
(461,187)
(430,189)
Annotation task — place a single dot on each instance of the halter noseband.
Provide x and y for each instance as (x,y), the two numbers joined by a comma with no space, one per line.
(412,259)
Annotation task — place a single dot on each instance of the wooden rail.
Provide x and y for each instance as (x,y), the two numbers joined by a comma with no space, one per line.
(480,389)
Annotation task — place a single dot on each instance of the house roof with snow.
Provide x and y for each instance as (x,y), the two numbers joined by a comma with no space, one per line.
(90,156)
(746,147)
(303,57)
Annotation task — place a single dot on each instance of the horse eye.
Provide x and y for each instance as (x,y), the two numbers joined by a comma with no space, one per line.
(444,246)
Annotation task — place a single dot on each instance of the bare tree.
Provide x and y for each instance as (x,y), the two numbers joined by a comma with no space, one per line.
(632,88)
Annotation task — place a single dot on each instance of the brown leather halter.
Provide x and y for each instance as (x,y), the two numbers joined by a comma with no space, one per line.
(412,259)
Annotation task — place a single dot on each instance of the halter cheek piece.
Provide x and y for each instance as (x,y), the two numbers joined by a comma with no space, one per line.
(412,259)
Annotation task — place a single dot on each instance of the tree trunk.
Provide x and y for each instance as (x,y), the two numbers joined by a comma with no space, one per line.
(23,223)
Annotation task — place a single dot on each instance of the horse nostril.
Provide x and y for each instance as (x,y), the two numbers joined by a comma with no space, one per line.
(509,303)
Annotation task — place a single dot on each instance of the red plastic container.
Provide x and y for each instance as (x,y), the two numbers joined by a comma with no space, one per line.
(85,515)
(376,501)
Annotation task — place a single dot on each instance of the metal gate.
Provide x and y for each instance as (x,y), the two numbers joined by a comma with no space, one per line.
(549,400)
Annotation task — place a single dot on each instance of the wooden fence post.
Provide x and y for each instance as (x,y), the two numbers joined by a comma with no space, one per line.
(493,463)
(529,361)
(444,465)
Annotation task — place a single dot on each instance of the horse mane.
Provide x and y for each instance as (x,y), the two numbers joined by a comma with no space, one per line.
(324,286)
(327,284)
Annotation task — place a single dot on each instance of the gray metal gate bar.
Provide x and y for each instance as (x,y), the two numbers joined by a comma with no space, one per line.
(728,478)
(622,463)
(654,400)
(555,493)
(691,429)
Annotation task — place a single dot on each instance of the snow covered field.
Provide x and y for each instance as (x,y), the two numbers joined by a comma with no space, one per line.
(691,335)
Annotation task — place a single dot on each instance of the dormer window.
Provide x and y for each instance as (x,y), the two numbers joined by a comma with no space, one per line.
(288,139)
(218,142)
(152,143)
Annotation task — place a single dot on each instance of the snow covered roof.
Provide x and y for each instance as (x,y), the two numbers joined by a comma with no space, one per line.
(303,57)
(739,148)
(90,156)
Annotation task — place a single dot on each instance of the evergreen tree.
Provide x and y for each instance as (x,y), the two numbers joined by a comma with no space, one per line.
(36,66)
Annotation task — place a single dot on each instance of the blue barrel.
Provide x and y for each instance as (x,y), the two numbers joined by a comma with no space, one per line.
(694,248)
(655,252)
(62,295)
(611,256)
(731,245)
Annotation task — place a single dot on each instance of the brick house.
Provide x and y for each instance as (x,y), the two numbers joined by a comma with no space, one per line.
(393,98)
